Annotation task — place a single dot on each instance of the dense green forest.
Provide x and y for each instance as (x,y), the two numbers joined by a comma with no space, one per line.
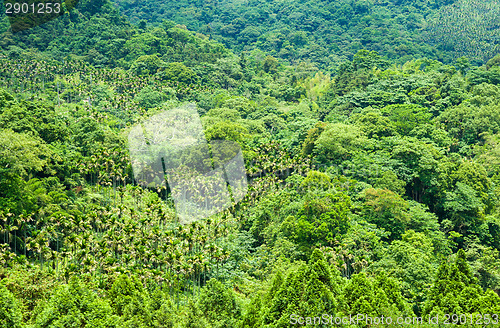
(330,32)
(374,176)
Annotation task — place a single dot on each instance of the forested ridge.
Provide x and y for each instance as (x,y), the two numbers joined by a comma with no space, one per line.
(372,190)
(328,33)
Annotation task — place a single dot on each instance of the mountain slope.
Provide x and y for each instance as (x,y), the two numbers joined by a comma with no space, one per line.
(329,32)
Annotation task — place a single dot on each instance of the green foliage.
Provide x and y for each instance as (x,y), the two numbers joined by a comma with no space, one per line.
(30,287)
(316,180)
(22,153)
(388,210)
(306,290)
(326,33)
(469,123)
(194,317)
(10,312)
(150,98)
(410,260)
(364,295)
(88,135)
(448,19)
(38,118)
(456,289)
(339,142)
(270,65)
(365,162)
(406,117)
(312,135)
(165,315)
(91,7)
(147,64)
(418,162)
(219,305)
(389,180)
(373,124)
(129,300)
(178,72)
(74,304)
(320,222)
(252,318)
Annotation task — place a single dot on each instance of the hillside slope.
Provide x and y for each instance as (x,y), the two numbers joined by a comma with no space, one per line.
(328,32)
(374,191)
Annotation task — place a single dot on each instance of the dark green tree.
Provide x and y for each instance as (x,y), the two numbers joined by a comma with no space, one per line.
(10,312)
